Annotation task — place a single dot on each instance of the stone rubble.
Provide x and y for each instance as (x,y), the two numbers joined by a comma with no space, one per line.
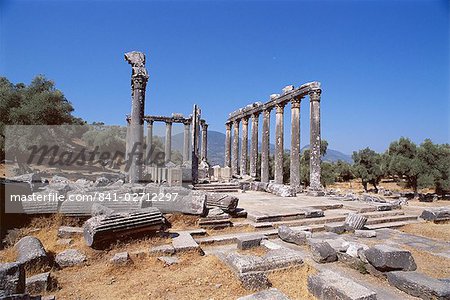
(387,258)
(31,252)
(70,258)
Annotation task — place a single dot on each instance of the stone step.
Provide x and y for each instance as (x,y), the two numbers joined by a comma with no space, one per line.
(391,219)
(390,225)
(302,222)
(219,190)
(231,238)
(382,214)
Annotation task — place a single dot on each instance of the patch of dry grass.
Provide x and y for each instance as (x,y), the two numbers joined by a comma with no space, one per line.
(195,277)
(293,282)
(257,251)
(182,222)
(228,230)
(430,230)
(429,264)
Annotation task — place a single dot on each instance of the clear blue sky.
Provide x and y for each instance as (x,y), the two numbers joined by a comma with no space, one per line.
(384,65)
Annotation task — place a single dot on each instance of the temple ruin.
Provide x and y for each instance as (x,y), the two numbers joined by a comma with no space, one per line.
(237,160)
(140,151)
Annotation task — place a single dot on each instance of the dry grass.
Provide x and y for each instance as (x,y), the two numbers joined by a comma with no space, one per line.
(257,251)
(430,230)
(357,187)
(182,222)
(195,277)
(228,230)
(429,264)
(293,282)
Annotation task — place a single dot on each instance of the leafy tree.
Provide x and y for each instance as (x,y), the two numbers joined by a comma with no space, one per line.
(435,166)
(367,166)
(402,161)
(39,103)
(344,171)
(327,175)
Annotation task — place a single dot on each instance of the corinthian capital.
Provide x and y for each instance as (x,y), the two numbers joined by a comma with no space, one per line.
(314,95)
(139,75)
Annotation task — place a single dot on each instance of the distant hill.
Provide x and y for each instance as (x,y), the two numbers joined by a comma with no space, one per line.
(216,149)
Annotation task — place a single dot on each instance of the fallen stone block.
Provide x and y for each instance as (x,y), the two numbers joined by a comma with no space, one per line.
(419,285)
(281,190)
(49,206)
(338,244)
(365,233)
(273,260)
(436,214)
(70,258)
(121,258)
(386,258)
(186,201)
(355,221)
(38,284)
(69,231)
(322,252)
(254,280)
(31,252)
(270,294)
(102,230)
(98,210)
(169,260)
(239,213)
(249,241)
(290,235)
(354,248)
(185,242)
(313,212)
(12,279)
(163,249)
(352,262)
(328,285)
(223,201)
(335,228)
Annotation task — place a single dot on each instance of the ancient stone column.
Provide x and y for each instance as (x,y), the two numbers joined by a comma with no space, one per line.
(196,113)
(295,143)
(168,145)
(228,145)
(314,162)
(204,141)
(149,150)
(244,146)
(265,146)
(279,143)
(254,146)
(187,129)
(235,149)
(139,78)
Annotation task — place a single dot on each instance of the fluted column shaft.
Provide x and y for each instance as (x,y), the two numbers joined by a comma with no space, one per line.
(244,146)
(168,145)
(204,142)
(186,142)
(295,143)
(228,145)
(148,151)
(235,149)
(314,162)
(279,143)
(254,145)
(265,145)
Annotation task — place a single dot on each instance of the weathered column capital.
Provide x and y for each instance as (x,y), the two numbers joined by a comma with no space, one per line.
(295,102)
(150,122)
(245,120)
(228,125)
(204,126)
(139,75)
(314,95)
(255,115)
(280,108)
(266,112)
(168,123)
(236,123)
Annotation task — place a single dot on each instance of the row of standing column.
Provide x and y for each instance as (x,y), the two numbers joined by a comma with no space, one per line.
(239,166)
(186,141)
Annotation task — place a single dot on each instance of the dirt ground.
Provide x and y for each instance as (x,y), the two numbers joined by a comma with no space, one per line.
(194,277)
(430,230)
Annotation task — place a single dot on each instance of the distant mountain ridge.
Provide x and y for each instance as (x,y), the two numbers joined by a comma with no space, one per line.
(216,149)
